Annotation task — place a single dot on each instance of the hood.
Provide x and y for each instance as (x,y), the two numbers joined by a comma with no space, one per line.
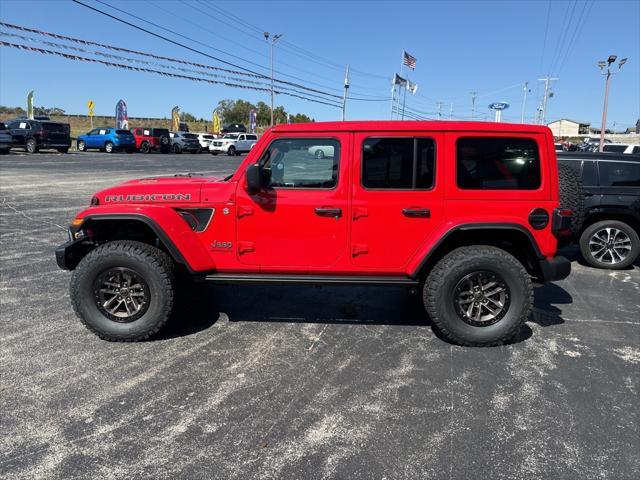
(178,189)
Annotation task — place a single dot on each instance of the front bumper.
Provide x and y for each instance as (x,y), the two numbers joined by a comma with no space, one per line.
(69,254)
(219,148)
(558,268)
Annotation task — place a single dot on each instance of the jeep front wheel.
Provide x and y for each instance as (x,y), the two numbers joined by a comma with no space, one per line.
(478,296)
(123,290)
(145,147)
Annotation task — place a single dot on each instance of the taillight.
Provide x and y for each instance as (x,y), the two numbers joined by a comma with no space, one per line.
(561,225)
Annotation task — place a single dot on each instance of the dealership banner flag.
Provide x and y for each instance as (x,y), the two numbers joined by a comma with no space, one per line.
(252,120)
(216,122)
(30,105)
(122,119)
(175,118)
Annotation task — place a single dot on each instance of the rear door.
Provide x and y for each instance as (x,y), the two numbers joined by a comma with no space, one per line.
(19,130)
(397,197)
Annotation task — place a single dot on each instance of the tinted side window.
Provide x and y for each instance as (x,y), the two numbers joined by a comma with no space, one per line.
(619,174)
(614,148)
(589,174)
(398,163)
(14,125)
(498,163)
(302,162)
(636,150)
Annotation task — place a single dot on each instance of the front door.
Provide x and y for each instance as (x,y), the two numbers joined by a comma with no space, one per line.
(300,220)
(397,197)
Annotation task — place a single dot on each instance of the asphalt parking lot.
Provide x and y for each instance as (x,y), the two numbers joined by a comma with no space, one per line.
(297,382)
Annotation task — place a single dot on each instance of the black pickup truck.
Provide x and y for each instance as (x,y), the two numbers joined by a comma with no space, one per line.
(610,234)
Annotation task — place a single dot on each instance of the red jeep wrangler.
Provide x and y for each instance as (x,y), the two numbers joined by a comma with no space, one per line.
(148,139)
(467,212)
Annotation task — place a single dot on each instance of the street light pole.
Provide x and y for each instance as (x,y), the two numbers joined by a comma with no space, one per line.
(602,64)
(473,104)
(274,39)
(524,101)
(346,88)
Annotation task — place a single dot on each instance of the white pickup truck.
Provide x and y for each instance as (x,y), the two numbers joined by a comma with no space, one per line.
(233,143)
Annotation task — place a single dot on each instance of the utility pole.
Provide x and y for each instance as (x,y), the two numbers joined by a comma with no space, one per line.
(607,64)
(274,39)
(547,85)
(473,104)
(440,110)
(344,97)
(524,101)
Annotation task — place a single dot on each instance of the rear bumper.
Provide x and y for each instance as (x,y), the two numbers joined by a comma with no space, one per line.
(558,268)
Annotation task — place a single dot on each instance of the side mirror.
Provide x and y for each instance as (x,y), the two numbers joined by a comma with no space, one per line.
(254,179)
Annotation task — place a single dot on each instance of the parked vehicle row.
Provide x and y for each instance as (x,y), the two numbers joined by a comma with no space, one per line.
(42,133)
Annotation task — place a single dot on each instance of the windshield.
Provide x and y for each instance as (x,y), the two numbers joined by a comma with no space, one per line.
(208,137)
(232,136)
(189,135)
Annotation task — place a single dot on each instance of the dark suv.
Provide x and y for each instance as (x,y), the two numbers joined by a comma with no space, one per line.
(609,237)
(33,135)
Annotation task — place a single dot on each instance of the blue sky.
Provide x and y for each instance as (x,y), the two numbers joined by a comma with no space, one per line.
(487,47)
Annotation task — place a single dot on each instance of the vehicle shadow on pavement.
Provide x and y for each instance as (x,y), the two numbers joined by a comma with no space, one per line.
(199,307)
(545,312)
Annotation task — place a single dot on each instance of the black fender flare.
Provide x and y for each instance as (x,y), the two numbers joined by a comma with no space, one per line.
(476,226)
(67,254)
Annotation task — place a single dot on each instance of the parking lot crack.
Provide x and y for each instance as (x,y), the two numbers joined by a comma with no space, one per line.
(5,204)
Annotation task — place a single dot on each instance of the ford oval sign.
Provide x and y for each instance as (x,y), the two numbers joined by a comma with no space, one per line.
(499,106)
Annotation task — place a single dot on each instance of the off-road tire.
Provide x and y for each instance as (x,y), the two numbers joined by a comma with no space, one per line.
(628,230)
(571,197)
(81,146)
(31,146)
(63,150)
(108,147)
(145,147)
(439,293)
(152,264)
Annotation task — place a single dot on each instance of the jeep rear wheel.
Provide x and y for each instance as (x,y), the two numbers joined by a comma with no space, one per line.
(610,244)
(478,296)
(123,290)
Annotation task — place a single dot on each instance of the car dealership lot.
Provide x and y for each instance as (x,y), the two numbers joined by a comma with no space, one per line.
(296,382)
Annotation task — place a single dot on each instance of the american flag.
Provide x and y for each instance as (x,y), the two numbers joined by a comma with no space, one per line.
(409,60)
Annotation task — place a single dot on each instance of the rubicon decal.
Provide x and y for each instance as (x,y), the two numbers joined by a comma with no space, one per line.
(150,197)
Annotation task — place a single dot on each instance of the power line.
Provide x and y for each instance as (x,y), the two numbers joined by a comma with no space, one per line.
(576,34)
(188,47)
(305,53)
(159,72)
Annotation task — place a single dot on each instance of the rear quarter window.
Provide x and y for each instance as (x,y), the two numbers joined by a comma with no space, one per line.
(619,174)
(497,163)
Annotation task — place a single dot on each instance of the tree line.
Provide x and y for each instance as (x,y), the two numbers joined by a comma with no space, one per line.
(237,111)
